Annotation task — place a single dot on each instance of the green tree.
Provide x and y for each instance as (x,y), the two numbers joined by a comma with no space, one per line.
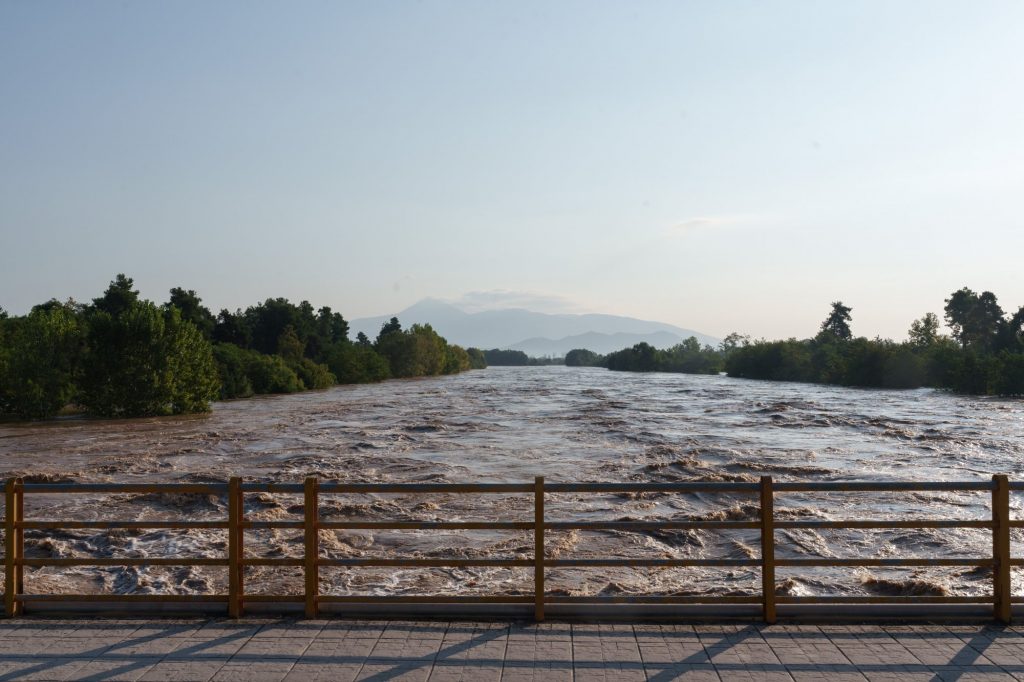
(837,325)
(924,333)
(581,357)
(144,361)
(42,364)
(232,370)
(232,328)
(193,310)
(289,346)
(118,297)
(974,318)
(477,359)
(392,326)
(733,341)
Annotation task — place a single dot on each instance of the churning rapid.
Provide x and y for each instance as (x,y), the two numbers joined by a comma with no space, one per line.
(509,425)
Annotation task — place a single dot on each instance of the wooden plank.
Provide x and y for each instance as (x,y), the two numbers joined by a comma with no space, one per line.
(881,486)
(426,599)
(123,561)
(916,561)
(426,525)
(1001,548)
(427,563)
(311,509)
(186,488)
(19,541)
(234,546)
(768,549)
(117,525)
(538,548)
(650,563)
(10,550)
(921,523)
(144,598)
(868,599)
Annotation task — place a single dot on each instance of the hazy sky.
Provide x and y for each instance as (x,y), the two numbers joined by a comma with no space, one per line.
(718,165)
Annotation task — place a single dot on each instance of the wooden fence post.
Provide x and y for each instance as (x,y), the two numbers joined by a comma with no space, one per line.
(19,541)
(768,548)
(10,549)
(538,548)
(1001,547)
(311,507)
(235,552)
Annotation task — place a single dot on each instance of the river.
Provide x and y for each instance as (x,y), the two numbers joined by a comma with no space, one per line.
(508,424)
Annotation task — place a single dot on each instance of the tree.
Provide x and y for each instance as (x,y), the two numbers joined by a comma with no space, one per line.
(118,297)
(477,359)
(975,319)
(392,326)
(42,364)
(581,357)
(143,361)
(837,325)
(924,333)
(331,326)
(289,346)
(232,328)
(193,310)
(733,341)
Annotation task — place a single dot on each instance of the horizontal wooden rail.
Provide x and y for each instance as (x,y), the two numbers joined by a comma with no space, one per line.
(311,524)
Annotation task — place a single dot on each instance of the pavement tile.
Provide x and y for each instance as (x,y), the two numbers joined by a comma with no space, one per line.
(824,673)
(306,629)
(343,629)
(281,647)
(327,672)
(184,671)
(464,671)
(338,650)
(689,673)
(408,630)
(113,670)
(271,670)
(406,672)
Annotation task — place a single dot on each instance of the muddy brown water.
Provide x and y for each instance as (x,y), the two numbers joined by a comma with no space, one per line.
(509,425)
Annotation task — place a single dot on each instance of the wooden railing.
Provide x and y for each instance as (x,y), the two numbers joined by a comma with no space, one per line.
(311,561)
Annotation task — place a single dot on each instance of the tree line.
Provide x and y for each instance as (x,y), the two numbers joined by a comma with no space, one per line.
(121,356)
(984,355)
(688,357)
(516,358)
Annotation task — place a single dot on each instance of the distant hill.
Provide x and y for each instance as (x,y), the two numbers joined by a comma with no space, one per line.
(537,334)
(600,343)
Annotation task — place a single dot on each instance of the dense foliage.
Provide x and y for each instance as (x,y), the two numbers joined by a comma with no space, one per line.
(688,357)
(984,356)
(124,357)
(581,357)
(516,358)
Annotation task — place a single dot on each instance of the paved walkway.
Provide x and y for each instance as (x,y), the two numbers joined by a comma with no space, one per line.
(253,650)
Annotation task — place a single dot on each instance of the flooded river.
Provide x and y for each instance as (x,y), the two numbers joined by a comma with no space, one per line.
(509,425)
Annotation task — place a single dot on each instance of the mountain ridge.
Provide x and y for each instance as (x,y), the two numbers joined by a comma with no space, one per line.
(513,328)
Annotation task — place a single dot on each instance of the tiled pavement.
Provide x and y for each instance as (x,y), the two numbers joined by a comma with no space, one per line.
(253,650)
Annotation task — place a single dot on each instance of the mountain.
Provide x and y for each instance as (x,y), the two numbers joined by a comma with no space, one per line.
(537,334)
(600,343)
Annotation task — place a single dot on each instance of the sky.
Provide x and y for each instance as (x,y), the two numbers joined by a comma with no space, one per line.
(721,166)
